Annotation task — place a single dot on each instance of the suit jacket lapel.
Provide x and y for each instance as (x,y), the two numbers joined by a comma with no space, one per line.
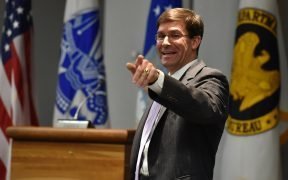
(138,134)
(162,110)
(186,77)
(192,71)
(145,115)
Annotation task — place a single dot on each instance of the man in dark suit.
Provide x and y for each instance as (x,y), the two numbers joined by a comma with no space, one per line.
(178,135)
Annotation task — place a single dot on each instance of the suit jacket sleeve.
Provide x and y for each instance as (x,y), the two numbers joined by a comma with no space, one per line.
(203,96)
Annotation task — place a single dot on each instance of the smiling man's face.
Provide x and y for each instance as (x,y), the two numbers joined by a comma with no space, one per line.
(175,52)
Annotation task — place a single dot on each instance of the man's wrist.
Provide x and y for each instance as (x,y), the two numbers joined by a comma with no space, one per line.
(156,78)
(158,84)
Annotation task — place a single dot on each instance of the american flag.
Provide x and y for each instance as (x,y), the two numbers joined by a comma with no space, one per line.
(16,101)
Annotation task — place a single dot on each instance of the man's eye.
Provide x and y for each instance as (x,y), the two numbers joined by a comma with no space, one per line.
(175,36)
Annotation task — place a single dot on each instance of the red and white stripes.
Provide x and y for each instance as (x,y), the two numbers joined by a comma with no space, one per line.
(16,92)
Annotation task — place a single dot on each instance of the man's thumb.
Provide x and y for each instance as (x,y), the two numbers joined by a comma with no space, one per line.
(131,67)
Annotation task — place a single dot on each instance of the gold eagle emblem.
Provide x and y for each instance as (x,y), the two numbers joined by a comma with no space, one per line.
(250,82)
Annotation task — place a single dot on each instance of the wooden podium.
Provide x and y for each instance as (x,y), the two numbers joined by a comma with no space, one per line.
(58,153)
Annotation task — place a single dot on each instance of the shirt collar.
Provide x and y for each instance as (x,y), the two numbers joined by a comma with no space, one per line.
(178,74)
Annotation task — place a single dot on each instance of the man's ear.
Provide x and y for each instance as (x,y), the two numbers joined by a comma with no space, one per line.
(196,41)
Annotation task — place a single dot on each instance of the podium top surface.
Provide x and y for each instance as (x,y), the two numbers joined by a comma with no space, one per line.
(28,133)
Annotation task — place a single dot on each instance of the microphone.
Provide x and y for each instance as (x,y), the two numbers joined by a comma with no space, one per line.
(76,115)
(76,122)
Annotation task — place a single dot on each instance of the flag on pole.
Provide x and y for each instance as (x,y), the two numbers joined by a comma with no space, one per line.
(251,141)
(284,112)
(81,91)
(150,52)
(283,126)
(16,91)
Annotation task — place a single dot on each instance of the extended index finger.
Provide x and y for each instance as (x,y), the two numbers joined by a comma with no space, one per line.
(139,60)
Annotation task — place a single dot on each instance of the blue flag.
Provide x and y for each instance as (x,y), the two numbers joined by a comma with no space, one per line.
(81,91)
(156,9)
(149,52)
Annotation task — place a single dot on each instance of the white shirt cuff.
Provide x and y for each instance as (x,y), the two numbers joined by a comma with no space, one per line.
(158,84)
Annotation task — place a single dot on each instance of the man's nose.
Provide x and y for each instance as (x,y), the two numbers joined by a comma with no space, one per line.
(166,41)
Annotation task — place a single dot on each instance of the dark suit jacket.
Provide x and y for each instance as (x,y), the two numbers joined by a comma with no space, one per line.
(185,141)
